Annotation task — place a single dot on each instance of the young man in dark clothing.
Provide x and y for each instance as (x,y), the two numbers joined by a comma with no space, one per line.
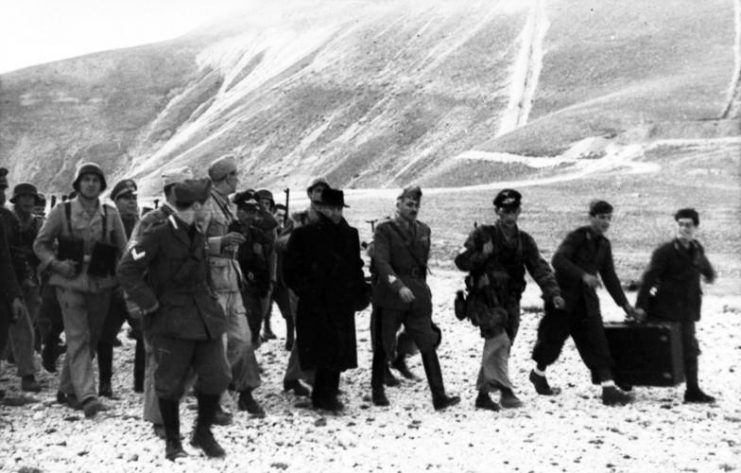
(166,274)
(580,261)
(497,257)
(673,277)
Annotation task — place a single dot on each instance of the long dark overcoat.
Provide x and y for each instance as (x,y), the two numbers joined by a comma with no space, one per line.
(674,275)
(322,265)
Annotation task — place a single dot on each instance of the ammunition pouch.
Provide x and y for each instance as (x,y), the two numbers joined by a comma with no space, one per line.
(102,260)
(72,249)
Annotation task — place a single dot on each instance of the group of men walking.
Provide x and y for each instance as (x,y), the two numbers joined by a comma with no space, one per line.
(196,278)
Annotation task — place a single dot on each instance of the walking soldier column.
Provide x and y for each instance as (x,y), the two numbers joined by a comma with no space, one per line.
(166,273)
(401,293)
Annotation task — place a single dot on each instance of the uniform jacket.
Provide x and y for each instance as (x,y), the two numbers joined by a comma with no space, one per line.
(505,266)
(168,266)
(225,271)
(583,251)
(674,276)
(27,231)
(323,267)
(12,237)
(253,260)
(87,227)
(400,254)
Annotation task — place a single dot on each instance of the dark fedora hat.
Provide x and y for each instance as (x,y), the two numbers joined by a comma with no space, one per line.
(333,198)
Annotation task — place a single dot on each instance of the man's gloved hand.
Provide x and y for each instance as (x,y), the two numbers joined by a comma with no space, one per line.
(558,302)
(640,315)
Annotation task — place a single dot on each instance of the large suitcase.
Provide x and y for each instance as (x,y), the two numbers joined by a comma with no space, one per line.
(646,354)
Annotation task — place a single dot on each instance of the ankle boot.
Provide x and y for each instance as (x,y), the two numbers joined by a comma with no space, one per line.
(105,369)
(203,438)
(171,419)
(440,400)
(378,368)
(248,403)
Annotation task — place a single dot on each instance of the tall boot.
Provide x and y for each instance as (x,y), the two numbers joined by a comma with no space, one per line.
(378,368)
(400,364)
(440,400)
(693,393)
(290,333)
(139,357)
(171,420)
(203,438)
(267,332)
(105,369)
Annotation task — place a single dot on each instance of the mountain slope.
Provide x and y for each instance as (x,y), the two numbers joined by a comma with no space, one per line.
(370,94)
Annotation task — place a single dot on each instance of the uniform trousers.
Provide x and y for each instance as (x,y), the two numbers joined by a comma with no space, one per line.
(293,370)
(175,360)
(494,371)
(587,331)
(417,322)
(83,314)
(22,333)
(240,351)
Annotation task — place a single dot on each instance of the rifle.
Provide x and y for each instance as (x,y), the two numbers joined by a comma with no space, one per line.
(287,191)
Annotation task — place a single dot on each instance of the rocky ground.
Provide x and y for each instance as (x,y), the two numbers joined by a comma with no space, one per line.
(573,432)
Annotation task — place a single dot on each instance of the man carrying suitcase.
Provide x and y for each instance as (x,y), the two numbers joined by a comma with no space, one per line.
(582,263)
(673,277)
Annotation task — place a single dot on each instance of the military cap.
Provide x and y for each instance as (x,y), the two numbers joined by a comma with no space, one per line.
(333,198)
(411,192)
(89,168)
(191,190)
(23,189)
(597,207)
(221,167)
(508,199)
(688,213)
(265,194)
(123,188)
(171,176)
(246,200)
(319,181)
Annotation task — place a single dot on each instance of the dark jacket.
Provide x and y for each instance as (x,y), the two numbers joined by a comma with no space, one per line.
(583,251)
(9,287)
(506,265)
(12,238)
(400,256)
(168,265)
(323,267)
(674,275)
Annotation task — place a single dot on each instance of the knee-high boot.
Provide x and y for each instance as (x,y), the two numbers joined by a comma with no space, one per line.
(171,420)
(203,438)
(431,364)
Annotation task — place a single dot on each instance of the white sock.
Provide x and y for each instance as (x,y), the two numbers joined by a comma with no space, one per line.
(538,372)
(607,383)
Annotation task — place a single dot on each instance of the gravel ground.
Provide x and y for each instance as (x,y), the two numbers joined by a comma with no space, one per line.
(572,432)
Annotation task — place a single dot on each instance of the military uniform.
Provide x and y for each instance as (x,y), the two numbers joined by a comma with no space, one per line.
(400,255)
(503,274)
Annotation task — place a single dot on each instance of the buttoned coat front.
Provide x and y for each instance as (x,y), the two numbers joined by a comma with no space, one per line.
(168,266)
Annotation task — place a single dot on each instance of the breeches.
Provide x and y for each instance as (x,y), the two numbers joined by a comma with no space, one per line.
(176,357)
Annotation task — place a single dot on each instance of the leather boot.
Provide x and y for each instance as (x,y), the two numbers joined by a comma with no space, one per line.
(400,364)
(378,368)
(139,357)
(171,420)
(290,334)
(440,400)
(693,393)
(203,438)
(248,403)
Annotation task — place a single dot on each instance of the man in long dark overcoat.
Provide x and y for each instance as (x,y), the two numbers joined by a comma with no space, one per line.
(323,267)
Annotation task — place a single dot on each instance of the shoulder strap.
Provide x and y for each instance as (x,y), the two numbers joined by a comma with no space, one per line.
(68,215)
